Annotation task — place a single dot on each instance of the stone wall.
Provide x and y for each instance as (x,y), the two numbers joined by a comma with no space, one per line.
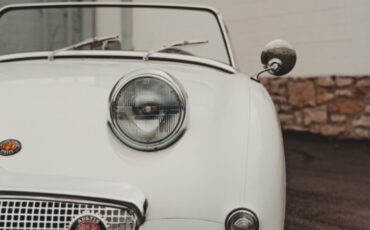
(332,106)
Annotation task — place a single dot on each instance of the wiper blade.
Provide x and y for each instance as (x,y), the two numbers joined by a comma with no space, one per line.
(90,41)
(174,45)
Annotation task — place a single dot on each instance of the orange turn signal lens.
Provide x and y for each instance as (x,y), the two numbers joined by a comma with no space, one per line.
(9,147)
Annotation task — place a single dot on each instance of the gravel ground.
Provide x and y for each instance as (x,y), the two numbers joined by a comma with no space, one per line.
(328,183)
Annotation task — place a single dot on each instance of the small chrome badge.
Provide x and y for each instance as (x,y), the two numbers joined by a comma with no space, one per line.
(88,222)
(10,147)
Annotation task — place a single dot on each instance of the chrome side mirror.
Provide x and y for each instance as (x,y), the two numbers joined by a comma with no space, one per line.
(278,58)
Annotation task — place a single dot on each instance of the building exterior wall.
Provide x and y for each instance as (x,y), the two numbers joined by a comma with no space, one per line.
(330,36)
(328,105)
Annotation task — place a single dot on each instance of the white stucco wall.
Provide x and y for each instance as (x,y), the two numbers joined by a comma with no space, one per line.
(331,36)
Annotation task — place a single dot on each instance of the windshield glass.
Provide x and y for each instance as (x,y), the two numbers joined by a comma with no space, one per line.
(138,29)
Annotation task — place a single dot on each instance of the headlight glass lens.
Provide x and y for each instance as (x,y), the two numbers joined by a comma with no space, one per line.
(147,111)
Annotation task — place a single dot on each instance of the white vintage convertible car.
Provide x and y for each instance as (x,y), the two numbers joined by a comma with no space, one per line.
(128,116)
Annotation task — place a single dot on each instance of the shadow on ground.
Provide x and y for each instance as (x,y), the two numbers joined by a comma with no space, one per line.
(328,183)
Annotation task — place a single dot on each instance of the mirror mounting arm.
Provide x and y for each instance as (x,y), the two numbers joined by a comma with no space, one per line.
(273,66)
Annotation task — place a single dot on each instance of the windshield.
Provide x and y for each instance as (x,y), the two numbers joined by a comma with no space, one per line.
(128,28)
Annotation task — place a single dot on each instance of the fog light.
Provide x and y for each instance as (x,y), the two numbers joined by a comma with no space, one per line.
(241,219)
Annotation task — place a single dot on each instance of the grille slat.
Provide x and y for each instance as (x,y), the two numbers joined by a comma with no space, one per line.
(51,214)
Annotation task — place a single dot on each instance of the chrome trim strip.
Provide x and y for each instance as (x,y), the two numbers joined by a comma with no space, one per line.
(174,84)
(108,4)
(212,10)
(227,41)
(119,55)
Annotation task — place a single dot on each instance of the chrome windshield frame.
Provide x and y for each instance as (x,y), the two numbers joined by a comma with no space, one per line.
(211,10)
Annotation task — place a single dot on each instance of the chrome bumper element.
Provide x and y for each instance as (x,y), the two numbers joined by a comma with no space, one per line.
(35,212)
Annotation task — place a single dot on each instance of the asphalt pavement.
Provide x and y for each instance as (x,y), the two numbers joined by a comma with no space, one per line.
(328,183)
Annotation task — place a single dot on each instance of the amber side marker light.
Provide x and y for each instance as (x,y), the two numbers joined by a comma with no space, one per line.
(10,147)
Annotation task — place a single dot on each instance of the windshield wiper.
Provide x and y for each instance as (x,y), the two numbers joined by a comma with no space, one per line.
(174,45)
(91,41)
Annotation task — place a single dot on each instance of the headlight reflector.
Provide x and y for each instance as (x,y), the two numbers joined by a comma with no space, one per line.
(148,109)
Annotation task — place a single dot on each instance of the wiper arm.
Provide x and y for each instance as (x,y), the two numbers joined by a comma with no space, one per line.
(90,41)
(176,44)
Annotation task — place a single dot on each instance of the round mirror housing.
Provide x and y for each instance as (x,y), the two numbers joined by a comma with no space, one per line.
(278,57)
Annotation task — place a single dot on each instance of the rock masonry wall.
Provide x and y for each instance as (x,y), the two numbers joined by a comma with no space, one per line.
(330,105)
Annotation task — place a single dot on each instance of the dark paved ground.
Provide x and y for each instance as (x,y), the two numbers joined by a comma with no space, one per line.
(328,183)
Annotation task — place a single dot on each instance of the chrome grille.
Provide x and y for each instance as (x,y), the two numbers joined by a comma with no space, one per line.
(46,214)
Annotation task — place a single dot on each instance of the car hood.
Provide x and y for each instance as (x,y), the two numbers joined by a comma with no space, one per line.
(59,111)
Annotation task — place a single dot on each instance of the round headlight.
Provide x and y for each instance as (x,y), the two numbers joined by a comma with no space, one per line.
(241,219)
(148,109)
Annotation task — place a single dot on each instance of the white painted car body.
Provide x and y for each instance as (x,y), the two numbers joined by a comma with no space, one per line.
(230,156)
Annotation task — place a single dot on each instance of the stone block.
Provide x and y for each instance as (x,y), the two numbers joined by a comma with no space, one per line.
(331,130)
(301,93)
(294,127)
(363,121)
(350,92)
(279,99)
(323,96)
(343,81)
(325,81)
(348,107)
(279,81)
(277,90)
(338,118)
(367,109)
(344,92)
(314,128)
(286,118)
(360,133)
(315,115)
(298,117)
(363,82)
(285,107)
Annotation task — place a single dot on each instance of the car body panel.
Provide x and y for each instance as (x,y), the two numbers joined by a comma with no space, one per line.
(58,110)
(230,156)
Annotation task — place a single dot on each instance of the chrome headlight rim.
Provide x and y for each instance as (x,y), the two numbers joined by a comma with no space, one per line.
(165,78)
(240,212)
